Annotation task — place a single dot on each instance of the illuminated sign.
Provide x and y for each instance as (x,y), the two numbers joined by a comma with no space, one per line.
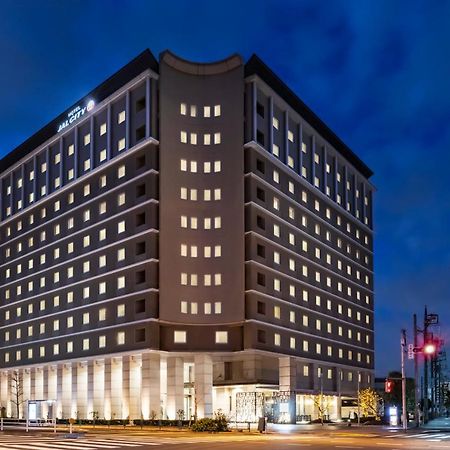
(75,114)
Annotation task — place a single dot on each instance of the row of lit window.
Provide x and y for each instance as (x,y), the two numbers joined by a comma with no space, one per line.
(318,255)
(208,251)
(208,279)
(318,322)
(102,183)
(208,138)
(304,173)
(121,228)
(208,166)
(207,110)
(180,337)
(56,326)
(277,233)
(120,340)
(208,222)
(208,194)
(208,307)
(120,284)
(70,176)
(305,295)
(304,198)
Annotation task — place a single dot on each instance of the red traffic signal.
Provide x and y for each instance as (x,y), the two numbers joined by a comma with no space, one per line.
(429,348)
(388,386)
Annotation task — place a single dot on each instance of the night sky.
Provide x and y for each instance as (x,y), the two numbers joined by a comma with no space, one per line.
(377,72)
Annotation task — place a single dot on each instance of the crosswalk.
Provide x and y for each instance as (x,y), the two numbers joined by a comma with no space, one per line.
(429,436)
(33,442)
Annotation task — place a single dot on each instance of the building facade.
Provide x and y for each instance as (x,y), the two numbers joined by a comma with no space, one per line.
(186,238)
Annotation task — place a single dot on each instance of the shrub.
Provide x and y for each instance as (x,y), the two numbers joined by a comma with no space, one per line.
(219,423)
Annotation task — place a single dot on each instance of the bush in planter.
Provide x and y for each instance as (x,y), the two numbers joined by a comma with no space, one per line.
(219,423)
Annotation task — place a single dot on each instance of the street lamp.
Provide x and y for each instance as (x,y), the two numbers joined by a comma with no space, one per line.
(429,349)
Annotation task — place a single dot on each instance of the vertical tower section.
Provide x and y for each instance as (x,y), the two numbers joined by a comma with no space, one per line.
(201,204)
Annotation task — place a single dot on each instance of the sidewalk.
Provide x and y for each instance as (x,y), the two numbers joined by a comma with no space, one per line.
(440,423)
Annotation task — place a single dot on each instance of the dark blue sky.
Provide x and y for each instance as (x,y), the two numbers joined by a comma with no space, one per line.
(377,72)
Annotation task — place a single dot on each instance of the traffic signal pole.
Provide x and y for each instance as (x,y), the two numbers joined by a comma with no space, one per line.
(404,412)
(416,376)
(425,369)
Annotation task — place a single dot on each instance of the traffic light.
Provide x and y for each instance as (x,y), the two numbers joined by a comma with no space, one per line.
(388,386)
(429,348)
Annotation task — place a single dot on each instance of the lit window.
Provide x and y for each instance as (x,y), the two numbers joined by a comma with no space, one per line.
(276,150)
(183,137)
(275,123)
(193,138)
(183,109)
(277,339)
(87,139)
(217,138)
(86,344)
(221,337)
(121,144)
(102,341)
(103,155)
(206,139)
(121,117)
(179,337)
(193,111)
(217,111)
(102,129)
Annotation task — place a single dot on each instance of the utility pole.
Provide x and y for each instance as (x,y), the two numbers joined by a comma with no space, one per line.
(404,412)
(416,375)
(425,369)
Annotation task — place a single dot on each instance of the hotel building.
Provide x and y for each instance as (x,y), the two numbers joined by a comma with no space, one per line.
(186,237)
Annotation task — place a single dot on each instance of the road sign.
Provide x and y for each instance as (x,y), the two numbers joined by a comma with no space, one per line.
(410,351)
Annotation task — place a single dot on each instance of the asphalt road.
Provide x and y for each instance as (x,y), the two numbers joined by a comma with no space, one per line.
(314,440)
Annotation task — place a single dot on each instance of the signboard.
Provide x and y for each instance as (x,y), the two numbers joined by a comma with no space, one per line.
(75,114)
(410,351)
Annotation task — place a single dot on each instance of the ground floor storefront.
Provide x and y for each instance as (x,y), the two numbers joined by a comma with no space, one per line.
(154,385)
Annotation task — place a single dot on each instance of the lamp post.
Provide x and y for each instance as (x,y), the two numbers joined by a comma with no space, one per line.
(359,403)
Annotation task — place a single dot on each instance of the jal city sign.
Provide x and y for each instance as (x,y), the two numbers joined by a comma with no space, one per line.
(76,114)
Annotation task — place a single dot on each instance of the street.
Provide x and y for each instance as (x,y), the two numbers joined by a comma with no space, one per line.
(317,439)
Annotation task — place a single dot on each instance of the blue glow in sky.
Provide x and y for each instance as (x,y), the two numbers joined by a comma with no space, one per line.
(377,72)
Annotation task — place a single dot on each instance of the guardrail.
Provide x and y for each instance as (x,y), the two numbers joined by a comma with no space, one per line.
(27,424)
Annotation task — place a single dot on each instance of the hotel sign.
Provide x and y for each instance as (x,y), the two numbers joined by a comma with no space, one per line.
(76,114)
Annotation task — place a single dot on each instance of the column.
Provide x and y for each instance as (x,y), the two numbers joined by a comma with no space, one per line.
(45,396)
(116,391)
(33,383)
(133,392)
(83,391)
(126,388)
(74,412)
(26,385)
(107,389)
(203,368)
(287,379)
(151,386)
(175,386)
(99,388)
(90,388)
(287,373)
(9,406)
(66,384)
(4,389)
(59,391)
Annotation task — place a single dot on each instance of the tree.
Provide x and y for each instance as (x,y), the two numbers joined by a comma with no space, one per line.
(322,403)
(369,402)
(17,392)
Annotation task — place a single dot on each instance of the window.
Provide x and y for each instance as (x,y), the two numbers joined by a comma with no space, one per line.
(206,111)
(206,139)
(120,338)
(217,110)
(217,138)
(102,129)
(277,339)
(179,337)
(275,123)
(87,139)
(121,144)
(221,337)
(121,117)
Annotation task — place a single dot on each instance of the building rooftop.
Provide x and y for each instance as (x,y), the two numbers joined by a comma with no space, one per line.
(145,61)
